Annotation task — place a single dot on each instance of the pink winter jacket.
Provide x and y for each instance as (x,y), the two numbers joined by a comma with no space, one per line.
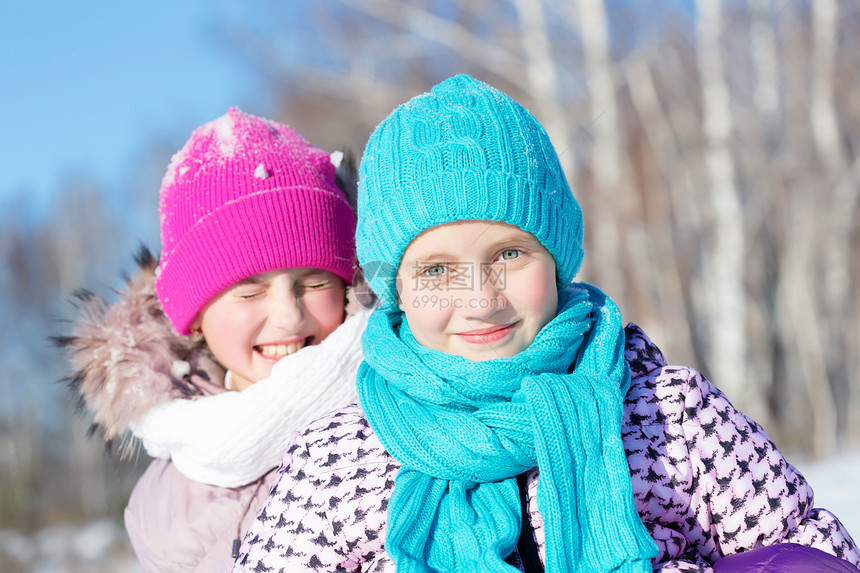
(179,525)
(707,482)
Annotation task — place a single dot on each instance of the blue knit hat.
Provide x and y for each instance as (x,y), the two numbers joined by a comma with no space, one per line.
(463,151)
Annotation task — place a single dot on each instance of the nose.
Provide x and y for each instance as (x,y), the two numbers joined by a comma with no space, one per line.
(485,297)
(287,311)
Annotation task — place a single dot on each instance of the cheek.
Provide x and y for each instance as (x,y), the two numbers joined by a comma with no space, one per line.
(427,312)
(227,317)
(328,309)
(226,330)
(547,301)
(539,296)
(428,319)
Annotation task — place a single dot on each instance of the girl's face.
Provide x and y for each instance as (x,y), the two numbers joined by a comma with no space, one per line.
(477,289)
(255,322)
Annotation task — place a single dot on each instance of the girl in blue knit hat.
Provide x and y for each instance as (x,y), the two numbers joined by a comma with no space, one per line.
(507,419)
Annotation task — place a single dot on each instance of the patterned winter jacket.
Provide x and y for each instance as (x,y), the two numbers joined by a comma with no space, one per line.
(707,482)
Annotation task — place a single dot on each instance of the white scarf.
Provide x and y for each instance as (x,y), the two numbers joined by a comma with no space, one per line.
(233,438)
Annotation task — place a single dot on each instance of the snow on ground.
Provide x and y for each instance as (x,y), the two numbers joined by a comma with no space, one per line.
(834,481)
(97,547)
(102,546)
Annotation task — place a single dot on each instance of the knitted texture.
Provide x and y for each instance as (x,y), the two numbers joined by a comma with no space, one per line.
(707,481)
(464,430)
(244,196)
(463,151)
(234,438)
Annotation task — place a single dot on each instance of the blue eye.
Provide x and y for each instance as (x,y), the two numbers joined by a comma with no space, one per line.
(509,254)
(435,271)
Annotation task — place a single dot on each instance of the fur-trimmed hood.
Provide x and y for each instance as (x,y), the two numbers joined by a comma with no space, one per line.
(127,358)
(134,372)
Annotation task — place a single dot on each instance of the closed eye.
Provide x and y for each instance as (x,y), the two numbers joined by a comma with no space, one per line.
(315,285)
(249,295)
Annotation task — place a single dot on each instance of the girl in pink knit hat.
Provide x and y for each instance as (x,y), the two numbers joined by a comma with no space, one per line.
(249,294)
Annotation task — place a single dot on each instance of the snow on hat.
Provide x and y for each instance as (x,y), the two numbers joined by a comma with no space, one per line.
(463,151)
(246,195)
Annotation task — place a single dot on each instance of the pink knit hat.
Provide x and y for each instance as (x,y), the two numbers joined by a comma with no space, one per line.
(244,196)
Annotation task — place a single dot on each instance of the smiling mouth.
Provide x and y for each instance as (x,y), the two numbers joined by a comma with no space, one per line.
(487,335)
(281,350)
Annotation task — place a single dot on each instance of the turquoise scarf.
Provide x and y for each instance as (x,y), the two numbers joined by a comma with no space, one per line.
(464,430)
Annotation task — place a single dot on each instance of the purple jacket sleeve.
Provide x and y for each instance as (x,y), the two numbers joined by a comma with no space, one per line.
(783,558)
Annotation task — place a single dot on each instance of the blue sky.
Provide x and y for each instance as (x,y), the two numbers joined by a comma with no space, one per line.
(86,86)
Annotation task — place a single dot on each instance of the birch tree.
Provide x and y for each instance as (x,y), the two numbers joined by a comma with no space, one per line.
(608,194)
(714,153)
(842,184)
(722,280)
